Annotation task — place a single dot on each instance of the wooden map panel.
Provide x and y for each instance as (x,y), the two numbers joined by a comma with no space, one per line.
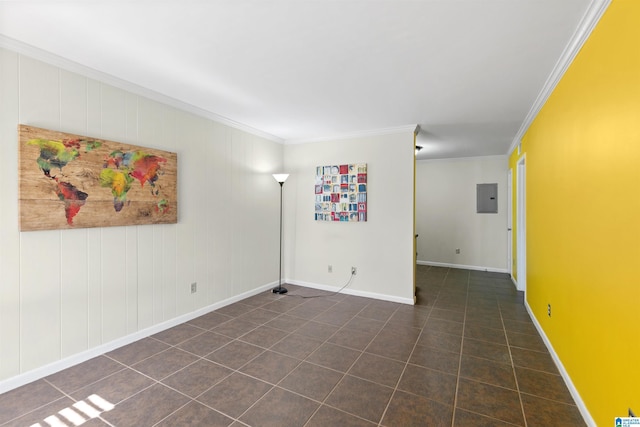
(70,181)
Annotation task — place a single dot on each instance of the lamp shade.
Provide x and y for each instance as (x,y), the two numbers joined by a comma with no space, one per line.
(280,177)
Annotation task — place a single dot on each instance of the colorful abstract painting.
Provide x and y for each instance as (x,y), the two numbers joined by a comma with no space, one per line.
(341,193)
(71,181)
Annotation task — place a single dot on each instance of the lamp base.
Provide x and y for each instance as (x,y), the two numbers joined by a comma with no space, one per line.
(279,290)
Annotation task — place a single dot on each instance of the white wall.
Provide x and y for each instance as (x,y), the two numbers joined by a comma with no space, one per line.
(446,216)
(382,247)
(66,292)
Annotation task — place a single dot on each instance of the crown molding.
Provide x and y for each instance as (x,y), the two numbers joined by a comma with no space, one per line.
(414,129)
(588,22)
(74,67)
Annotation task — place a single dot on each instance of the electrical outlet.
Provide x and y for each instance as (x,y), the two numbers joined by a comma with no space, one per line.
(549,309)
(457,251)
(330,268)
(194,287)
(354,271)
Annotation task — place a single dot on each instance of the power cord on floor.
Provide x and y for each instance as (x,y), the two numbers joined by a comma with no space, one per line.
(353,273)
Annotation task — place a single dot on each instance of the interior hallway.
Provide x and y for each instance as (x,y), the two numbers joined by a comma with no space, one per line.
(466,355)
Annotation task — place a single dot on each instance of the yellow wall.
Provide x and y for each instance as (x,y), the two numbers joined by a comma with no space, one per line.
(583,216)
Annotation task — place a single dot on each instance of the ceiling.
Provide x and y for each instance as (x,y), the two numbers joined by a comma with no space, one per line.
(466,71)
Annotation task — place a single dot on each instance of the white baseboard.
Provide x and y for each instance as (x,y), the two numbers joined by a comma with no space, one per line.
(67,362)
(563,372)
(515,284)
(354,292)
(52,368)
(462,266)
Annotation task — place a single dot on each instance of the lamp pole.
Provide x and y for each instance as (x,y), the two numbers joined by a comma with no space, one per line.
(280,178)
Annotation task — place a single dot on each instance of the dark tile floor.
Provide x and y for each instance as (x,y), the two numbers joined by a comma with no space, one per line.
(466,355)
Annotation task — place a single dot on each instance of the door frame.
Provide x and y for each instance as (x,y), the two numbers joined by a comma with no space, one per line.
(510,223)
(521,224)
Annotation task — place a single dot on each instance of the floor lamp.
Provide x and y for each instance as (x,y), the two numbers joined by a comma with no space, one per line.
(281,178)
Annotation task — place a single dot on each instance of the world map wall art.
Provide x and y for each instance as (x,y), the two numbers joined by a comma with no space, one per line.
(341,193)
(69,181)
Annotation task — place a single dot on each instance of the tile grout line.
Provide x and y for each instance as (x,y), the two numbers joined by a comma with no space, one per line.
(395,389)
(273,386)
(513,366)
(464,325)
(344,374)
(68,395)
(233,370)
(237,370)
(198,358)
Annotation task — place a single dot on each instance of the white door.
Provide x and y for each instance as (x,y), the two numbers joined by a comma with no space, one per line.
(521,221)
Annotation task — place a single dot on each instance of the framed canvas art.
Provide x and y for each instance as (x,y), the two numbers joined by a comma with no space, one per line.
(341,193)
(72,181)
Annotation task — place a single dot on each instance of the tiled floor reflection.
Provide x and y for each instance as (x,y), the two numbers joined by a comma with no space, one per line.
(466,355)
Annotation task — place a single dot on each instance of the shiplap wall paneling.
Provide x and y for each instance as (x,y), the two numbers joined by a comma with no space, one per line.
(114,239)
(204,199)
(131,277)
(94,286)
(74,243)
(65,293)
(219,175)
(94,235)
(40,257)
(145,277)
(129,266)
(190,189)
(149,240)
(9,235)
